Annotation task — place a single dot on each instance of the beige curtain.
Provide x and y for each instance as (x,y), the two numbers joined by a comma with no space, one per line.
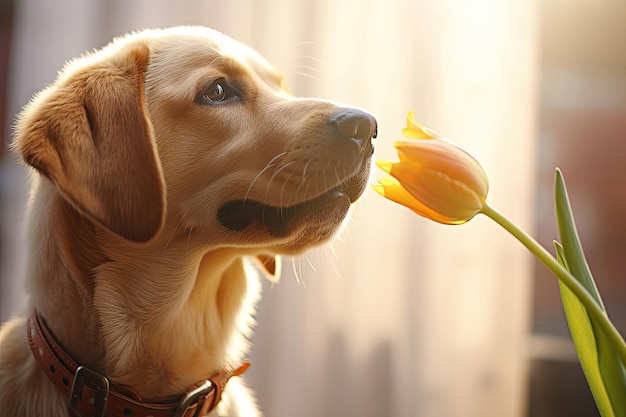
(398,317)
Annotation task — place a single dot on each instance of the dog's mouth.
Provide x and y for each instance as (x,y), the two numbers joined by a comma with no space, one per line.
(238,215)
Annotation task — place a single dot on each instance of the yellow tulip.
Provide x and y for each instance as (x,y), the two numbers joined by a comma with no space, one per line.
(434,178)
(438,180)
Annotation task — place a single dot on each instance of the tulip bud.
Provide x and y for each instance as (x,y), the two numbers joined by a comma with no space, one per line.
(434,178)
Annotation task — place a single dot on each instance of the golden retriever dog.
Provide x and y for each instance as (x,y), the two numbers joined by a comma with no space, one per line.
(170,167)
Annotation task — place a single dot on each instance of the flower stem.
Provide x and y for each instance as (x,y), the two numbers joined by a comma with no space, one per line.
(593,308)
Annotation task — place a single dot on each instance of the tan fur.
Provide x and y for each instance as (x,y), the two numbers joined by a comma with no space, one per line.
(127,259)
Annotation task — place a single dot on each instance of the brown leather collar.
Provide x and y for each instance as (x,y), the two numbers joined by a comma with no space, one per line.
(93,395)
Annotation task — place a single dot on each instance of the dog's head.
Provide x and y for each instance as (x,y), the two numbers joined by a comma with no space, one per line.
(186,131)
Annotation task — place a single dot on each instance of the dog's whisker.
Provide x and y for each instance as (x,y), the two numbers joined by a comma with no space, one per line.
(263,214)
(334,259)
(297,272)
(313,68)
(304,177)
(306,190)
(306,257)
(304,74)
(282,194)
(303,182)
(302,275)
(278,171)
(314,59)
(294,270)
(305,170)
(269,165)
(324,177)
(308,67)
(280,155)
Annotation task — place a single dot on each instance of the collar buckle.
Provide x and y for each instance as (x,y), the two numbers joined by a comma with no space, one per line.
(192,397)
(82,377)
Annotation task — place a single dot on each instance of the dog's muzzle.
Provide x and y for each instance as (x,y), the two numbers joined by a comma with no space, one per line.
(347,125)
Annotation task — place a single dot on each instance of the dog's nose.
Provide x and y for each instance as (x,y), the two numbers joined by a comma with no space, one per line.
(354,124)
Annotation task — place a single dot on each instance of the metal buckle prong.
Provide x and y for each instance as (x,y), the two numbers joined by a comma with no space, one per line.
(192,396)
(81,377)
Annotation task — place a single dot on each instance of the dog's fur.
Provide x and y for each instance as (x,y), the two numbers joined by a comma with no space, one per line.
(149,196)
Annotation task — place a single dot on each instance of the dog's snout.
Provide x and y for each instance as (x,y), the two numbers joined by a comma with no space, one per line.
(354,124)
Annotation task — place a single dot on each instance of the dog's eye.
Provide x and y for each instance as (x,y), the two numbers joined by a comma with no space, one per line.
(218,92)
(215,93)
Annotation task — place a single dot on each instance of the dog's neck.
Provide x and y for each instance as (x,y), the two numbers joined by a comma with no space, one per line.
(157,316)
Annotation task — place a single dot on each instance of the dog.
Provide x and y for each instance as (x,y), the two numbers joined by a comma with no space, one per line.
(171,169)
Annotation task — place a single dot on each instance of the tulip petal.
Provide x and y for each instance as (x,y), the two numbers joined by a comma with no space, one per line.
(437,191)
(384,165)
(442,156)
(416,130)
(391,189)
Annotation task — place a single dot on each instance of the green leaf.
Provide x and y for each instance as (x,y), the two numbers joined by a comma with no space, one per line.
(573,251)
(584,341)
(612,370)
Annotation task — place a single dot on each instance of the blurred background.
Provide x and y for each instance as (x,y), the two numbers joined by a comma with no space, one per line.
(400,317)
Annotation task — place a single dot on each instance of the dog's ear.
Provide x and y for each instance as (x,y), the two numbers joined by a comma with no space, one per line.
(271,266)
(89,133)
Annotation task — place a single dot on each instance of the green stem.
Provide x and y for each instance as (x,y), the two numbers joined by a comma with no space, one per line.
(594,310)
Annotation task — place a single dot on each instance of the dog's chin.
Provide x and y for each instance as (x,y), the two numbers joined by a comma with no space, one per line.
(328,209)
